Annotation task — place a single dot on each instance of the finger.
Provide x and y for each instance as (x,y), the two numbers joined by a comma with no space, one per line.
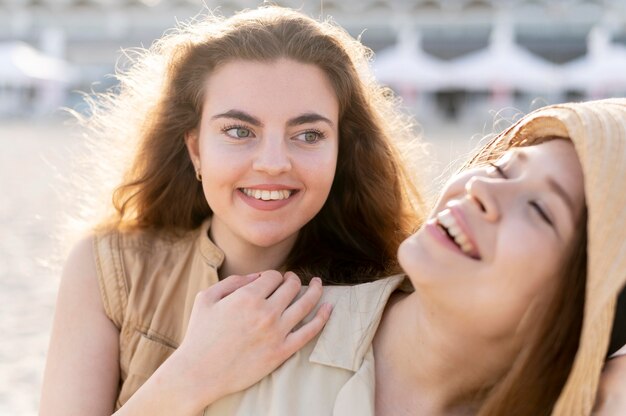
(286,292)
(227,286)
(267,283)
(298,339)
(299,309)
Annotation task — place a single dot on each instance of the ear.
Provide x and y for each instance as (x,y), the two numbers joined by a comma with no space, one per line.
(193,146)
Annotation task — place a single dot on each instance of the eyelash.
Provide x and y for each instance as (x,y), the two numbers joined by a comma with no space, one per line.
(498,169)
(534,204)
(228,127)
(225,129)
(320,135)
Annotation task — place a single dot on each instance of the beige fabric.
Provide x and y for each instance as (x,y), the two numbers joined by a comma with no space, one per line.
(332,375)
(598,131)
(148,283)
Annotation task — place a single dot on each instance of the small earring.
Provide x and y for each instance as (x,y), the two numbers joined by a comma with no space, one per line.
(198,175)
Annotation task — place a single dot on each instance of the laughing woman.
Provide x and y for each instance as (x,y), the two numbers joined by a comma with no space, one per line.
(255,142)
(509,294)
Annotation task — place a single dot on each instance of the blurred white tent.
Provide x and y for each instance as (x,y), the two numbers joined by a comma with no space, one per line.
(503,66)
(406,66)
(21,63)
(602,71)
(30,81)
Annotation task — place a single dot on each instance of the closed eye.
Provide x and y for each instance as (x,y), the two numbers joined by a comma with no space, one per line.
(541,212)
(498,169)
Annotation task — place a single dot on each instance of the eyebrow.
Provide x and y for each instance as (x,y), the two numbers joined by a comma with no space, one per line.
(309,118)
(554,185)
(296,121)
(239,115)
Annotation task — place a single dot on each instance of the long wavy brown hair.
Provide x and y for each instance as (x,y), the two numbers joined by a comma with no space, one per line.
(533,382)
(373,204)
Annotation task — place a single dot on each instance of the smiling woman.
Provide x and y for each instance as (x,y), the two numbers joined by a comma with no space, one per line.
(509,294)
(267,147)
(255,142)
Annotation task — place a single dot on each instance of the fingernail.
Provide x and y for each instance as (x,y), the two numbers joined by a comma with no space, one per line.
(253,275)
(316,280)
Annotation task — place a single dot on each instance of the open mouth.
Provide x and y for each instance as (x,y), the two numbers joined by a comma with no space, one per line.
(268,195)
(449,225)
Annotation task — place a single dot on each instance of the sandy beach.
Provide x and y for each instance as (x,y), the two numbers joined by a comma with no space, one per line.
(35,162)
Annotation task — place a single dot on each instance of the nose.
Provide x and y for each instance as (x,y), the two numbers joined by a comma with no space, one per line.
(484,192)
(272,157)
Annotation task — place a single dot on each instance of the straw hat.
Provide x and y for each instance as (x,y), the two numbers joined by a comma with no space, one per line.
(598,131)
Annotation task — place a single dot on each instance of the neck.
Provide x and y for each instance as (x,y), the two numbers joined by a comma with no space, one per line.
(242,257)
(422,361)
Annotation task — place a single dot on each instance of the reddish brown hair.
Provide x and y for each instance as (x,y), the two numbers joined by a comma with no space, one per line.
(372,205)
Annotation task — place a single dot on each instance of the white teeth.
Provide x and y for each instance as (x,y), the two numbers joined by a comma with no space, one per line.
(266,195)
(446,219)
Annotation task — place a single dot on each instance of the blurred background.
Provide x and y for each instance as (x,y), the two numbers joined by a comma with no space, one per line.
(464,68)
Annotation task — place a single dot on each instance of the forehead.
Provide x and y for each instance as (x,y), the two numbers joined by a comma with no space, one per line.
(279,86)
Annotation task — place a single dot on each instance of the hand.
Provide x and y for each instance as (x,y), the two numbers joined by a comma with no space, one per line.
(611,398)
(242,328)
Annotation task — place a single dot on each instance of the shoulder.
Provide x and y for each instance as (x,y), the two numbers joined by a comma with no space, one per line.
(80,263)
(148,239)
(370,292)
(79,280)
(118,251)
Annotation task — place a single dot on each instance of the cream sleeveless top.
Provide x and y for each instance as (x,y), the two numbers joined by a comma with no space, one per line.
(334,373)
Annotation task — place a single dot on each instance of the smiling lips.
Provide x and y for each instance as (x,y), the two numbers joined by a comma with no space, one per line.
(268,195)
(450,225)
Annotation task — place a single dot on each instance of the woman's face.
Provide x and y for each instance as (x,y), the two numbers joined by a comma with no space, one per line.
(498,237)
(267,148)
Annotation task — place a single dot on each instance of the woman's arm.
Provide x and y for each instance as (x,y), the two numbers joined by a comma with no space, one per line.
(239,331)
(82,370)
(611,400)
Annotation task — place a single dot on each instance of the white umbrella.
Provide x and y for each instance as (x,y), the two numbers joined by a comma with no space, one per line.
(602,70)
(21,64)
(406,65)
(504,65)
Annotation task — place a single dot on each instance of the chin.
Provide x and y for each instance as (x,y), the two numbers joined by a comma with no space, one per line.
(267,239)
(418,262)
(409,253)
